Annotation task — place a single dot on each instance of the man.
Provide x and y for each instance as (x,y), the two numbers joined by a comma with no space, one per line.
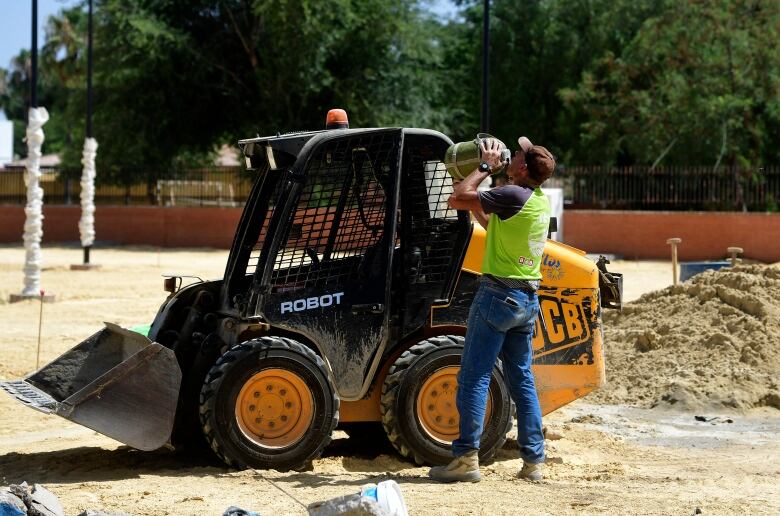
(505,307)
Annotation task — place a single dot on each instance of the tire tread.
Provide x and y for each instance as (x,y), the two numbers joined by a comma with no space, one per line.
(391,387)
(236,353)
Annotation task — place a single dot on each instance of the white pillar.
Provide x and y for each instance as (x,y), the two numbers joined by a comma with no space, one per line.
(33,225)
(555,196)
(87,222)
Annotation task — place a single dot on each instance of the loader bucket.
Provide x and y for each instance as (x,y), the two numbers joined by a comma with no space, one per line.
(117,382)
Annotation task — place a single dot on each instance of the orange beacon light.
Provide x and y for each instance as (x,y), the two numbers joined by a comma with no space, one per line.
(337,119)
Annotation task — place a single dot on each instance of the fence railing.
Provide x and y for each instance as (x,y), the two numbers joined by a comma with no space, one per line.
(639,188)
(216,186)
(673,188)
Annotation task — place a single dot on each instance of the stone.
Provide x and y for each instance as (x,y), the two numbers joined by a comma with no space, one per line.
(45,502)
(349,505)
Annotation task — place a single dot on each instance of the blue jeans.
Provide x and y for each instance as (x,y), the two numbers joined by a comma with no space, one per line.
(501,323)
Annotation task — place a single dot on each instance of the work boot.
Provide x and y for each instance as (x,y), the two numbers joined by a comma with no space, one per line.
(462,469)
(531,472)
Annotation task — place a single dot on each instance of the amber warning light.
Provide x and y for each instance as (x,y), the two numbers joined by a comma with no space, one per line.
(337,119)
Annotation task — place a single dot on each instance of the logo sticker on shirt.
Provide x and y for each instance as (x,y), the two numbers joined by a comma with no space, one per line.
(536,246)
(528,262)
(537,238)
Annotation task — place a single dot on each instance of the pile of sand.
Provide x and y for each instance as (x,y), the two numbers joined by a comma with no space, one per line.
(711,341)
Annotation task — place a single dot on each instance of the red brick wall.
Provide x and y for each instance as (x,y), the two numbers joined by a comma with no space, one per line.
(643,234)
(632,234)
(138,225)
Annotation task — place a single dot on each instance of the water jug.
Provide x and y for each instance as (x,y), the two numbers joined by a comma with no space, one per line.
(462,158)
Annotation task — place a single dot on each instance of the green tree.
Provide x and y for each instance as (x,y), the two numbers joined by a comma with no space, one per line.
(176,78)
(538,53)
(597,81)
(63,69)
(698,84)
(15,98)
(539,50)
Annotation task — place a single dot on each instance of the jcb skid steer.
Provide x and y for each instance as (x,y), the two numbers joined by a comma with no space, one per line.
(344,301)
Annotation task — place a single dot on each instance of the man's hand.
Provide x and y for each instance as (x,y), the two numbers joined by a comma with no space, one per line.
(491,153)
(464,195)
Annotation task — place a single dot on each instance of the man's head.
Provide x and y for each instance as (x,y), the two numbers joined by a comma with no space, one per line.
(531,165)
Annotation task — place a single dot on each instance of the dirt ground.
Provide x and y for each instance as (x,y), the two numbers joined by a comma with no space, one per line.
(612,458)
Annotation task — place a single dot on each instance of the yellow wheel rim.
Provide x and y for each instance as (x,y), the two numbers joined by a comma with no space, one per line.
(274,408)
(436,408)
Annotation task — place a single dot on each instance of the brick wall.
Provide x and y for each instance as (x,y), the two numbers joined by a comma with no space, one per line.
(134,225)
(643,234)
(632,234)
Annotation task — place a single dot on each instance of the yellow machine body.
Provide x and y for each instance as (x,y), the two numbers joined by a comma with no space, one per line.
(567,342)
(569,319)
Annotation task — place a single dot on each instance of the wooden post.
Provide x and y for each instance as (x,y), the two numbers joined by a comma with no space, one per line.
(40,325)
(734,252)
(673,242)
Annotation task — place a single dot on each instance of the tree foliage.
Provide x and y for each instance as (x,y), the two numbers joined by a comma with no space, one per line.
(541,48)
(597,81)
(190,74)
(698,83)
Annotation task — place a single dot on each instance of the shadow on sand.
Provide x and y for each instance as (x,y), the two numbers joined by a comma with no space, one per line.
(366,457)
(86,464)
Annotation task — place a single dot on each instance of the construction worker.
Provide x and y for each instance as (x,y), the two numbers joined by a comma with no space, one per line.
(505,307)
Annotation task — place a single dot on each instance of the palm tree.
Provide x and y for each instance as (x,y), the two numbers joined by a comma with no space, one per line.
(65,45)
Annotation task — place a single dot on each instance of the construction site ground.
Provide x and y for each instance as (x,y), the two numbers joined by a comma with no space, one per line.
(611,458)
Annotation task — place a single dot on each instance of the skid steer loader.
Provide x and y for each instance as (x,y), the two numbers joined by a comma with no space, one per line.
(344,301)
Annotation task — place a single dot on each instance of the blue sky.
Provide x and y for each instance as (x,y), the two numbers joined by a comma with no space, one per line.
(16,24)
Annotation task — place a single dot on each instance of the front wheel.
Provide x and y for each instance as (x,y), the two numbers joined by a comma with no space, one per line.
(418,403)
(268,404)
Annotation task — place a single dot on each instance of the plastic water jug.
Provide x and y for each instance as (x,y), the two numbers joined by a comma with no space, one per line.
(388,495)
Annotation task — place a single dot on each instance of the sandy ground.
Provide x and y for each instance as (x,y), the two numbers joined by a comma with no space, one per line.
(612,458)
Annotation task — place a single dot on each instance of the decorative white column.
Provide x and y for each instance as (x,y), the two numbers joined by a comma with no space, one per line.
(33,225)
(87,222)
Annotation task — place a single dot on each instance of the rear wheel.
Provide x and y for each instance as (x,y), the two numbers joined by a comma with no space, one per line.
(268,403)
(418,403)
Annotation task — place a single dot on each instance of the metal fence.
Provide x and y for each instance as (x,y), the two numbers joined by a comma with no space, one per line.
(216,186)
(673,188)
(639,188)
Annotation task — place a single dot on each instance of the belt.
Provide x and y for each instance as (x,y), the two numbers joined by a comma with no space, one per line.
(521,284)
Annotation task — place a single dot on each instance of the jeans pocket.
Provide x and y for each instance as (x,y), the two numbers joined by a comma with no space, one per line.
(503,316)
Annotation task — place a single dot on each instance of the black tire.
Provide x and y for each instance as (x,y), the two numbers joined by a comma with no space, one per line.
(233,437)
(400,391)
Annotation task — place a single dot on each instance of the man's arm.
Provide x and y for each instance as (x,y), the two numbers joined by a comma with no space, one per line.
(466,197)
(481,217)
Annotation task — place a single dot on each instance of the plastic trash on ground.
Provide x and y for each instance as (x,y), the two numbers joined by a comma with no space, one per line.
(383,499)
(238,511)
